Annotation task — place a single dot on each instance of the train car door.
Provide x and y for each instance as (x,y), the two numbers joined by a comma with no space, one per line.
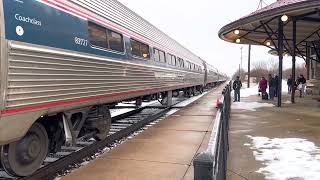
(205,73)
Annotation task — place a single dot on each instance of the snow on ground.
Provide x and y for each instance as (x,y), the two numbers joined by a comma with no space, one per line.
(246,92)
(287,158)
(249,106)
(116,112)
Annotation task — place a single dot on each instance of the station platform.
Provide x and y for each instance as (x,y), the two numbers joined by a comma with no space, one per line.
(163,151)
(267,142)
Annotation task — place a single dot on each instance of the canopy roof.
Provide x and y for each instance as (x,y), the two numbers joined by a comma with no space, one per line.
(261,26)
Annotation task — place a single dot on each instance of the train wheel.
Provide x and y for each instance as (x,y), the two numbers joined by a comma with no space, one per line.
(24,157)
(175,93)
(103,125)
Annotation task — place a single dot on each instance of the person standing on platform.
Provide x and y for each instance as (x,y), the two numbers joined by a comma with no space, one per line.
(272,86)
(263,84)
(289,83)
(301,85)
(276,81)
(236,87)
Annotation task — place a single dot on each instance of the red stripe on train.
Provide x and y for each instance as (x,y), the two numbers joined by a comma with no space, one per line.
(59,103)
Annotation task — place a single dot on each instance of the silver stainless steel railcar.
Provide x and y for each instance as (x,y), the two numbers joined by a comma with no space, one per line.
(65,62)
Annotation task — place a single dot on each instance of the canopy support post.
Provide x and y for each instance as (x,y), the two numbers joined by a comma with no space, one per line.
(309,60)
(293,76)
(280,53)
(249,69)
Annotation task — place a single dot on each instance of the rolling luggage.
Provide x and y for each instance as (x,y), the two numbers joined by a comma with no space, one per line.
(265,96)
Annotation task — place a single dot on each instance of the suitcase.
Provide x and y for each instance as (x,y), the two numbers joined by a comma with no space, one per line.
(265,96)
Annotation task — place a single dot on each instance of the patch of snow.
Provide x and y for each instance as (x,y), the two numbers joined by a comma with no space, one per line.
(246,92)
(85,163)
(288,158)
(250,106)
(246,144)
(287,102)
(116,112)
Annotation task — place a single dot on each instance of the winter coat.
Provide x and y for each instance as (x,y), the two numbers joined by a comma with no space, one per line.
(289,82)
(237,85)
(272,82)
(276,81)
(302,80)
(263,84)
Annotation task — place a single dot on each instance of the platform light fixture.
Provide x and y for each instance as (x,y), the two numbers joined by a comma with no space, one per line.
(238,40)
(284,18)
(236,32)
(268,43)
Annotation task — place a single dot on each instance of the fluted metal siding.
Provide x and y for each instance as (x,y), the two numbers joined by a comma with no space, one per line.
(43,75)
(118,13)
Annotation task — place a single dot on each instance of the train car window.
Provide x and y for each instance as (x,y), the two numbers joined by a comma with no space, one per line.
(189,65)
(135,48)
(182,63)
(145,51)
(162,56)
(139,49)
(97,35)
(156,54)
(115,41)
(169,59)
(174,60)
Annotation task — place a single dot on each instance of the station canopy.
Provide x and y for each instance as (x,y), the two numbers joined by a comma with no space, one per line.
(261,27)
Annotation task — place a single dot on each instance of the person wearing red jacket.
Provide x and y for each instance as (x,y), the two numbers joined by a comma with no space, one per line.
(263,84)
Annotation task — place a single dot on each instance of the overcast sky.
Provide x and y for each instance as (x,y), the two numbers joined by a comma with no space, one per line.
(195,24)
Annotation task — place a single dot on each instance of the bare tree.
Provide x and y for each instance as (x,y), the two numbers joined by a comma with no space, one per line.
(259,69)
(273,66)
(237,73)
(300,69)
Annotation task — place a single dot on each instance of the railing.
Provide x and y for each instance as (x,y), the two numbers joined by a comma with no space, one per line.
(212,163)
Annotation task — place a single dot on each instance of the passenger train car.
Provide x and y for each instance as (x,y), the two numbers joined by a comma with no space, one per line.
(65,62)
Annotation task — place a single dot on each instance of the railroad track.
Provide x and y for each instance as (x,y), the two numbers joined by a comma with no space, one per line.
(123,126)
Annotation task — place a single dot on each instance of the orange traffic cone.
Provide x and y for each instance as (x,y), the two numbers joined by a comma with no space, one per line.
(218,104)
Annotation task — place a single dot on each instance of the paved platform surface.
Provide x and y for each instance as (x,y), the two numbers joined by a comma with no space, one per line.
(283,143)
(164,151)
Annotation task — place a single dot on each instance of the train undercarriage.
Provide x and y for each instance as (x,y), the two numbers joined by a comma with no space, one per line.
(49,133)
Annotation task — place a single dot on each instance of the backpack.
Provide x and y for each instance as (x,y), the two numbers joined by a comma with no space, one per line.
(265,96)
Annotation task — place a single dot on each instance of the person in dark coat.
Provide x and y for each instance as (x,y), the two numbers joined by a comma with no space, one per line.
(276,81)
(301,85)
(263,85)
(272,86)
(289,83)
(236,87)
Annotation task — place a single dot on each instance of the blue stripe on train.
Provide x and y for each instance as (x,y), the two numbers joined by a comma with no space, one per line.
(33,22)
